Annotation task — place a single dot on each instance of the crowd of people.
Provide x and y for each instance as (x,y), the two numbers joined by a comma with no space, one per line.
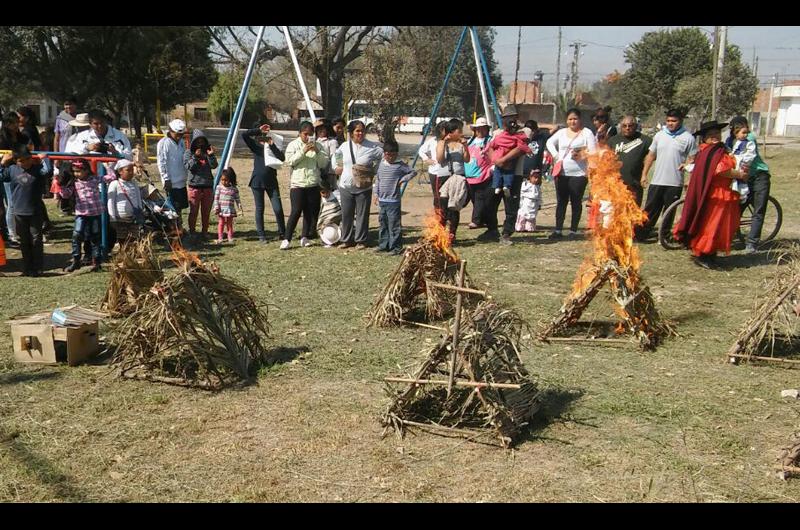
(335,179)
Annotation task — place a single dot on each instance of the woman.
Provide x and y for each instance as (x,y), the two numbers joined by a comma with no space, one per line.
(571,148)
(323,130)
(356,163)
(339,126)
(451,154)
(264,178)
(10,139)
(306,158)
(478,172)
(711,212)
(28,126)
(603,130)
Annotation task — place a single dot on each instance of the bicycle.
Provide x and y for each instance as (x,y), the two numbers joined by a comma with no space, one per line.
(773,219)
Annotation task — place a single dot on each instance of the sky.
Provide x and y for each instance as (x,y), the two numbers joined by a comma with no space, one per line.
(777,49)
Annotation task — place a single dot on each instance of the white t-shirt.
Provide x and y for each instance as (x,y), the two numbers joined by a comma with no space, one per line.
(561,147)
(671,151)
(368,153)
(428,152)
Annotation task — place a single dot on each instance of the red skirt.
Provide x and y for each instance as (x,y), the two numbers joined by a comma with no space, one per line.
(719,219)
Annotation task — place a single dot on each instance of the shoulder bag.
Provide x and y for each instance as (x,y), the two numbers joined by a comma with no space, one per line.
(362,175)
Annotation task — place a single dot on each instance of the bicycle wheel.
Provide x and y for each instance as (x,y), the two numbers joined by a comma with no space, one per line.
(773,219)
(668,218)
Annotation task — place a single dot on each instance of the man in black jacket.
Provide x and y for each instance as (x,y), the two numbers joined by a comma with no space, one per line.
(265,178)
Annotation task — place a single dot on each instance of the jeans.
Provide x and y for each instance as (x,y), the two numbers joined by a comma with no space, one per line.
(502,178)
(200,200)
(305,202)
(29,231)
(659,198)
(511,204)
(9,216)
(180,200)
(759,195)
(569,190)
(274,195)
(440,205)
(390,234)
(355,205)
(87,228)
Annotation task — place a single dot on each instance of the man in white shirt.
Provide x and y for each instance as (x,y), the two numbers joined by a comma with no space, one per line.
(101,138)
(169,154)
(673,148)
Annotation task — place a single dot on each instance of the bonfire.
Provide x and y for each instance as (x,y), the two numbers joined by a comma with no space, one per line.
(491,394)
(614,260)
(430,261)
(195,328)
(135,269)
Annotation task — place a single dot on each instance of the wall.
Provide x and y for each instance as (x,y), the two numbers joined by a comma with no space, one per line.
(787,122)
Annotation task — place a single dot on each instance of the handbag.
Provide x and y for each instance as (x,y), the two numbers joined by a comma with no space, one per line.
(270,160)
(558,167)
(362,175)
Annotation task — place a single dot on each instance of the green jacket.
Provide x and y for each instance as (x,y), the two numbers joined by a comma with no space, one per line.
(758,164)
(305,167)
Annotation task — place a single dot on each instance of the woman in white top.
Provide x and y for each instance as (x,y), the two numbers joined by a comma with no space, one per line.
(571,146)
(428,155)
(355,201)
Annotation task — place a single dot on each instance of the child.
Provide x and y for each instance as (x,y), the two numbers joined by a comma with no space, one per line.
(226,197)
(139,161)
(744,151)
(86,190)
(331,213)
(27,178)
(392,173)
(199,160)
(530,202)
(125,203)
(501,145)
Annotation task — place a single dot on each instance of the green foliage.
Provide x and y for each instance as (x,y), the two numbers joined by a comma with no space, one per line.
(225,94)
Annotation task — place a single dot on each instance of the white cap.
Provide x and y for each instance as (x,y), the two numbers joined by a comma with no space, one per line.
(177,126)
(122,163)
(480,122)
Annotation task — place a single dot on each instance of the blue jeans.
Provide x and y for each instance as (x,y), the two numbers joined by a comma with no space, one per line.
(502,178)
(390,233)
(87,228)
(759,193)
(9,214)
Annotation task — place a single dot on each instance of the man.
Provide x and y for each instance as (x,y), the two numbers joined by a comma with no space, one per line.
(673,148)
(101,138)
(62,127)
(169,153)
(631,147)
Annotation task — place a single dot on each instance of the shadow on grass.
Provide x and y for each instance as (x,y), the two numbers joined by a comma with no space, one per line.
(62,486)
(556,404)
(688,316)
(26,377)
(284,354)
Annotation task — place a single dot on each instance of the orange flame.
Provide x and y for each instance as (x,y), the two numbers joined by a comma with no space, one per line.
(613,214)
(439,235)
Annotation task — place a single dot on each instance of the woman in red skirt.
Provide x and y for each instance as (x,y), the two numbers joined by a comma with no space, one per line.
(711,212)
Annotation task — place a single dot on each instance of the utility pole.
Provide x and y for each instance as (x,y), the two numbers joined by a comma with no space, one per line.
(720,43)
(574,69)
(516,71)
(769,110)
(558,65)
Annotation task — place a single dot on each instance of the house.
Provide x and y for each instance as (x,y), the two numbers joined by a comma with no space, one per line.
(45,109)
(301,111)
(785,117)
(525,92)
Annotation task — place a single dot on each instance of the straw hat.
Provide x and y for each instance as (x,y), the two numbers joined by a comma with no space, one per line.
(81,120)
(480,122)
(330,234)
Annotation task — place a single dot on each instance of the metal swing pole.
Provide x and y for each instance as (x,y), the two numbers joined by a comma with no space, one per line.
(486,75)
(481,80)
(236,120)
(438,101)
(300,79)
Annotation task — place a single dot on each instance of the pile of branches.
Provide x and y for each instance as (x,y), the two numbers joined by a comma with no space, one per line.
(488,352)
(135,269)
(196,329)
(790,460)
(422,263)
(776,315)
(635,307)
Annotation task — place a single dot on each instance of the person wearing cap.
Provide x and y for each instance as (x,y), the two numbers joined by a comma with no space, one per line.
(62,127)
(103,139)
(169,155)
(264,178)
(77,126)
(673,148)
(710,215)
(478,172)
(27,177)
(125,203)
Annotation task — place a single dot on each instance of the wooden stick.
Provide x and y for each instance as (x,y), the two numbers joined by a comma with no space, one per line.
(456,325)
(449,429)
(472,384)
(428,326)
(768,359)
(587,339)
(763,318)
(456,288)
(788,469)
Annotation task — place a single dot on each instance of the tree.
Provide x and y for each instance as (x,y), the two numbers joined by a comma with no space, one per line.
(225,94)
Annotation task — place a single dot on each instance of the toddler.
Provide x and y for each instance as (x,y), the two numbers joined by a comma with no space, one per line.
(744,151)
(226,198)
(85,188)
(530,202)
(501,145)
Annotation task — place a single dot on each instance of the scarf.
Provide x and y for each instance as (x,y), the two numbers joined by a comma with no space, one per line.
(680,130)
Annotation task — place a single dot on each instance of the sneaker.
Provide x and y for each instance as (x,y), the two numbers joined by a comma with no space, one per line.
(285,244)
(573,234)
(381,249)
(750,249)
(220,241)
(506,241)
(473,226)
(489,235)
(73,266)
(361,246)
(507,193)
(305,242)
(345,245)
(556,234)
(262,239)
(498,191)
(397,252)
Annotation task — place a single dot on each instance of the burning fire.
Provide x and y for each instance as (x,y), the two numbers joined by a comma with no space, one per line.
(439,235)
(613,214)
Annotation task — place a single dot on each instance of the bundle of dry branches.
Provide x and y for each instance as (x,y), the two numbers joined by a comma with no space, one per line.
(196,328)
(776,315)
(789,462)
(135,269)
(422,263)
(493,394)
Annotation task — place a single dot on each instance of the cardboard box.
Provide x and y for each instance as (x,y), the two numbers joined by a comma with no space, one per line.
(37,340)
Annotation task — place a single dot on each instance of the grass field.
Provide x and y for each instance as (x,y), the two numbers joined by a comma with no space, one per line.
(678,424)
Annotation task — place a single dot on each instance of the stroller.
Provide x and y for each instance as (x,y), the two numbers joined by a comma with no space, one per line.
(160,215)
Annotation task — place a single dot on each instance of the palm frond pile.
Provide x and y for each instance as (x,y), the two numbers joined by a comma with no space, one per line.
(196,328)
(789,462)
(775,319)
(488,353)
(135,269)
